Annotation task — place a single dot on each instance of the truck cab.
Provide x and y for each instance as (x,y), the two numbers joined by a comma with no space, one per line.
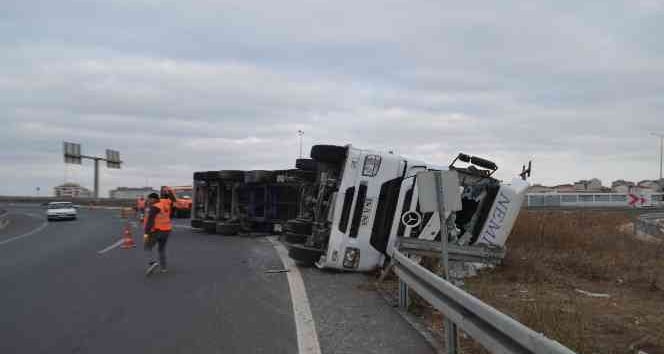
(364,200)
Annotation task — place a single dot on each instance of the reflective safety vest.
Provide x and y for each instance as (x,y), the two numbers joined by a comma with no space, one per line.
(162,221)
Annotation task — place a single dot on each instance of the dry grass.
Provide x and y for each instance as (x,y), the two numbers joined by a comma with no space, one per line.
(553,253)
(586,244)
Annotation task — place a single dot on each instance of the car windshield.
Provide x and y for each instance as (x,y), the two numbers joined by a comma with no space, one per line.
(59,205)
(183,194)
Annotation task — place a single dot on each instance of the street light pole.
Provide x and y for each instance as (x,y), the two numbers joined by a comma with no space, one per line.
(661,151)
(300,133)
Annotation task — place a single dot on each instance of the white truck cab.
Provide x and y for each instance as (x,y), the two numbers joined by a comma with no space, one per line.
(365,200)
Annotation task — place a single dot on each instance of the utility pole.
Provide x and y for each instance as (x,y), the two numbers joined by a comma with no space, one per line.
(300,133)
(661,151)
(72,154)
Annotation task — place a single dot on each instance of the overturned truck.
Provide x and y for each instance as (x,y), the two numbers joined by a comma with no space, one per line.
(362,202)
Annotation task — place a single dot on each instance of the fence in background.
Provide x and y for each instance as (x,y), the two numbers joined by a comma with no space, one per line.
(79,201)
(594,200)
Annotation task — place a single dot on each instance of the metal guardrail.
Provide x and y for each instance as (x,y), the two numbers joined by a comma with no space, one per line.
(428,248)
(496,331)
(3,218)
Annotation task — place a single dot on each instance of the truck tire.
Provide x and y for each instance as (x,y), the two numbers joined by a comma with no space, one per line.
(299,227)
(211,175)
(258,176)
(303,255)
(231,175)
(227,229)
(328,153)
(301,174)
(196,223)
(209,226)
(294,238)
(306,165)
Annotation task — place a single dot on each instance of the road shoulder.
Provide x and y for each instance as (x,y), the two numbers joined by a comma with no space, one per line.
(352,317)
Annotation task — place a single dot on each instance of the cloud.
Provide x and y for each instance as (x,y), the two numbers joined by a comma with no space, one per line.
(183,86)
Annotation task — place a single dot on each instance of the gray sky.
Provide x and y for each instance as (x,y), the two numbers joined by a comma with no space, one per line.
(181,86)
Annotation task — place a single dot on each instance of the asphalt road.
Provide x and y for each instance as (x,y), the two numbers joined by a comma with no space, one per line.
(59,295)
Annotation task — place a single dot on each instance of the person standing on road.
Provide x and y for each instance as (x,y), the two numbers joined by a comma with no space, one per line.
(158,227)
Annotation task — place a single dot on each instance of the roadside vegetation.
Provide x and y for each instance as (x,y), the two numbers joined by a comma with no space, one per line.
(581,278)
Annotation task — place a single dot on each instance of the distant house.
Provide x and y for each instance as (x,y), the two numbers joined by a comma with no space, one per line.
(71,190)
(649,186)
(622,186)
(661,183)
(565,188)
(131,193)
(591,185)
(538,188)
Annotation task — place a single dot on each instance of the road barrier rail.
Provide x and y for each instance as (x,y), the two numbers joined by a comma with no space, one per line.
(497,332)
(102,202)
(4,219)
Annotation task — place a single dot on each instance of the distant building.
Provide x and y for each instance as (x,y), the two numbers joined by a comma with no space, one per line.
(565,188)
(661,183)
(622,186)
(71,190)
(538,188)
(649,186)
(131,193)
(592,185)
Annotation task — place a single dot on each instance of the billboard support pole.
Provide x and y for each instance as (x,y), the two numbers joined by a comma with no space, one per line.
(72,154)
(96,179)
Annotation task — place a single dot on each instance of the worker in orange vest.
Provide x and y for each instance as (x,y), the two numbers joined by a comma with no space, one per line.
(157,224)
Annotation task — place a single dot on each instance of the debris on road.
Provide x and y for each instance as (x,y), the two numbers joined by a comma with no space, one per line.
(588,293)
(277,271)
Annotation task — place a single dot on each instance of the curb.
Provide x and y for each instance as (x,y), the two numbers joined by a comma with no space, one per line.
(430,337)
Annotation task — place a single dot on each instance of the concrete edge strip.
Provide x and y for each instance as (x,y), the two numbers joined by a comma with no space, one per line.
(307,338)
(118,243)
(437,344)
(30,233)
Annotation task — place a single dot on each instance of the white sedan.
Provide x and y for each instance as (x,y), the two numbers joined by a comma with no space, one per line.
(61,211)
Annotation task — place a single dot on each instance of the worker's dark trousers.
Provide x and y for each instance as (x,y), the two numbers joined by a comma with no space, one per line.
(159,238)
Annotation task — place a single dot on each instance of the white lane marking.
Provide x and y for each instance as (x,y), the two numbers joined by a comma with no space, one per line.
(111,247)
(30,233)
(307,338)
(182,226)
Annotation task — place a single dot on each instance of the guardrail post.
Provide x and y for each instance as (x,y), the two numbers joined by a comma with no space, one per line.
(404,299)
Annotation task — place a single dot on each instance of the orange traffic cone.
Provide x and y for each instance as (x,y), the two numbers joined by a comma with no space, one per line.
(127,239)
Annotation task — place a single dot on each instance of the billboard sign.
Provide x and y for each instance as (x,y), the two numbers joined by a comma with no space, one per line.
(72,153)
(113,159)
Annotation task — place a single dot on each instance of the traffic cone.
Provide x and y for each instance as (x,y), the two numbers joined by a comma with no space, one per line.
(127,239)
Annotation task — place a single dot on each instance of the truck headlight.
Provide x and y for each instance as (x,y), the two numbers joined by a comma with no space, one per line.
(351,258)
